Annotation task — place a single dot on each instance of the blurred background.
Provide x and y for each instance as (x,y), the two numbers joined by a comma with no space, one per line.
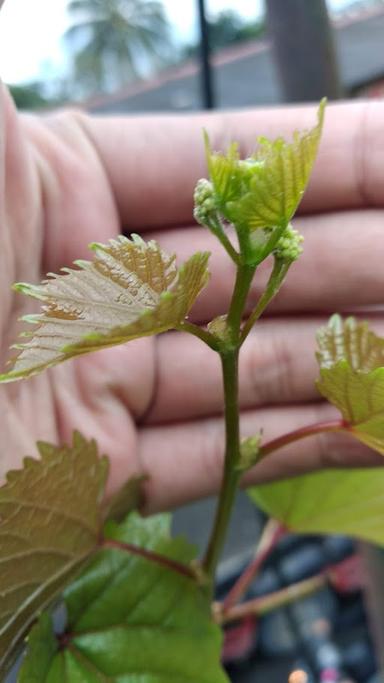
(161,55)
(132,56)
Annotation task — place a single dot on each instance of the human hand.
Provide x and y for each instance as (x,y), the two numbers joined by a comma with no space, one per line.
(154,405)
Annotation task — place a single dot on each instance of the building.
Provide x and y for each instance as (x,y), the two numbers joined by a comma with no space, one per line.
(245,74)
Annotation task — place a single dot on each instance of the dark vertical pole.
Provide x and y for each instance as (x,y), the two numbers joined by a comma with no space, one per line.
(302,41)
(206,70)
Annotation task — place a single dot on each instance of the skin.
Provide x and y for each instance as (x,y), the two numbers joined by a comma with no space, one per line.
(154,405)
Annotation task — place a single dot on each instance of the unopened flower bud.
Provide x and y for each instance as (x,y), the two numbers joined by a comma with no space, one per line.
(204,201)
(289,246)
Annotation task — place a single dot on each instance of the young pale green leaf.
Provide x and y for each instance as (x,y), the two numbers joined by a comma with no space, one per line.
(349,501)
(132,620)
(49,525)
(279,173)
(351,341)
(225,172)
(131,289)
(352,377)
(264,191)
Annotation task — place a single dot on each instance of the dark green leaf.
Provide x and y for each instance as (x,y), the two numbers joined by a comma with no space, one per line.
(44,645)
(135,621)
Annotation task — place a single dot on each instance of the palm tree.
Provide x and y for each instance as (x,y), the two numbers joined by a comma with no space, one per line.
(115,40)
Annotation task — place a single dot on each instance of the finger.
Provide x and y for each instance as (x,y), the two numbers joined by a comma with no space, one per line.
(19,200)
(277,365)
(153,162)
(75,197)
(185,462)
(332,274)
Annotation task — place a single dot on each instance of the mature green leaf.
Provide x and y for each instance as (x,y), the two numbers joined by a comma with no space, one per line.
(130,289)
(49,525)
(351,377)
(131,620)
(44,645)
(348,501)
(264,191)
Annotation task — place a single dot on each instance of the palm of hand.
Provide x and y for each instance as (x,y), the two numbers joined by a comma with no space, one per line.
(148,408)
(88,394)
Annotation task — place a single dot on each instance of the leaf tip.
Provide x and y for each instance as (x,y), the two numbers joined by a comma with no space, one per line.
(22,287)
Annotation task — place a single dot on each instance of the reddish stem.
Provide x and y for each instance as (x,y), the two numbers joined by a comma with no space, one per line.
(150,555)
(272,533)
(301,433)
(267,603)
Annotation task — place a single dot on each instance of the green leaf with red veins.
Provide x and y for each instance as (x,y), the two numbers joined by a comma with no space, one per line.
(131,620)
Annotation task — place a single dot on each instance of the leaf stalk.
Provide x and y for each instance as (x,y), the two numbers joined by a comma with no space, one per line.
(271,535)
(276,279)
(199,332)
(303,432)
(267,603)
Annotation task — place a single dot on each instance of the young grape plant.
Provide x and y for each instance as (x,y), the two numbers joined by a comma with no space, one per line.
(139,603)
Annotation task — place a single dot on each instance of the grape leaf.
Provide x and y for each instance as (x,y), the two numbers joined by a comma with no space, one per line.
(130,289)
(43,643)
(225,172)
(348,501)
(49,525)
(131,620)
(351,341)
(352,377)
(264,191)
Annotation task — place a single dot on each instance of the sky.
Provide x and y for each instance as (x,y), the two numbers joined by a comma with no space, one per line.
(31,45)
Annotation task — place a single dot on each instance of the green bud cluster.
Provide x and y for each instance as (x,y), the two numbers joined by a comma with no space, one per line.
(249,166)
(249,452)
(289,245)
(204,201)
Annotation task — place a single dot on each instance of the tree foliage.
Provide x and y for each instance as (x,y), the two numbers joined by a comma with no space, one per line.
(228,28)
(112,41)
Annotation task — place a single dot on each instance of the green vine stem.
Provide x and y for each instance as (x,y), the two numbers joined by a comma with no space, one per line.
(302,433)
(271,535)
(243,282)
(229,355)
(232,475)
(215,225)
(275,281)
